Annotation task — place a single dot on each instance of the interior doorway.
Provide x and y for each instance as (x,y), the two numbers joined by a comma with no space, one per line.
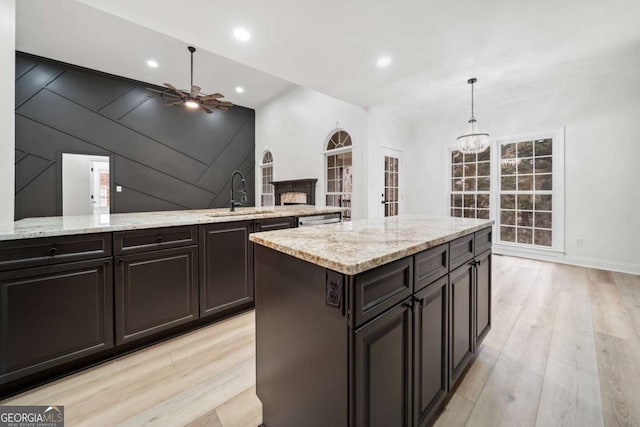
(86,184)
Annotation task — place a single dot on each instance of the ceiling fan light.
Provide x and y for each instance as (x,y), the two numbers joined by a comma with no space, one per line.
(191,104)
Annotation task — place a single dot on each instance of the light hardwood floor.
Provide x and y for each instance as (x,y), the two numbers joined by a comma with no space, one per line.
(564,350)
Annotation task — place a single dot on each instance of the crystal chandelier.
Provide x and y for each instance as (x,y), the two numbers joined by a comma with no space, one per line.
(473,141)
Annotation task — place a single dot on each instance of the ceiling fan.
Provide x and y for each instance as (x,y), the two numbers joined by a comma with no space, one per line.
(194,98)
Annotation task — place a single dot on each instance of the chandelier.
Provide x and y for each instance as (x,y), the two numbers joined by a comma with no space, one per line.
(473,141)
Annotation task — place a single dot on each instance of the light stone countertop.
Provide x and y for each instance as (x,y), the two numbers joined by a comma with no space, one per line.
(69,225)
(352,247)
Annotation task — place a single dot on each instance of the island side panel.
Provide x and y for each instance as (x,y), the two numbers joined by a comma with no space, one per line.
(301,344)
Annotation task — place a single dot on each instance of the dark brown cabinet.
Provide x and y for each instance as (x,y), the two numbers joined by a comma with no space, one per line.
(382,370)
(482,296)
(155,291)
(53,315)
(430,377)
(226,268)
(461,337)
(413,324)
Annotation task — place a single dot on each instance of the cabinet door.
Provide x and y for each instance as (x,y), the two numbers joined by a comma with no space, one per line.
(382,370)
(226,265)
(430,374)
(483,296)
(155,291)
(461,334)
(53,315)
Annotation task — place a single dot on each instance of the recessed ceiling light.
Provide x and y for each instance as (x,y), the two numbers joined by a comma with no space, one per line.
(384,61)
(240,89)
(152,63)
(241,34)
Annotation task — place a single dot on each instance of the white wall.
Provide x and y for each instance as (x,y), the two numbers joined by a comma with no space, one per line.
(602,152)
(7,107)
(295,127)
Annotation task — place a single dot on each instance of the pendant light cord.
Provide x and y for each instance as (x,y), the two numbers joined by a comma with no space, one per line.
(473,119)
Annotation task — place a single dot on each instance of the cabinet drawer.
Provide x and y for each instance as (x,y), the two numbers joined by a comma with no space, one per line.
(130,242)
(431,265)
(378,290)
(483,240)
(276,224)
(460,251)
(53,250)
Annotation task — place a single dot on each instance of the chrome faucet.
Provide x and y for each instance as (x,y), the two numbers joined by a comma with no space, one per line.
(242,201)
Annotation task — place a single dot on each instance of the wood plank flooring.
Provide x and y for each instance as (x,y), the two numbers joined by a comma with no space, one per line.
(564,351)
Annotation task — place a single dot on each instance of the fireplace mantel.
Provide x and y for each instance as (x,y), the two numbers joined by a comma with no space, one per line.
(307,186)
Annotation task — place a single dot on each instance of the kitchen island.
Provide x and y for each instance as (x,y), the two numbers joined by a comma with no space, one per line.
(369,322)
(78,290)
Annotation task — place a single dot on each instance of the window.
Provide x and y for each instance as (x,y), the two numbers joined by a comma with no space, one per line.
(520,183)
(267,197)
(526,192)
(471,184)
(339,166)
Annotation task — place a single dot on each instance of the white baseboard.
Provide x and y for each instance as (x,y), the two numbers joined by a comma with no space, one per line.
(579,261)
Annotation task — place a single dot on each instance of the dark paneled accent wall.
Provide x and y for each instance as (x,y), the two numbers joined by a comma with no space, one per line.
(165,158)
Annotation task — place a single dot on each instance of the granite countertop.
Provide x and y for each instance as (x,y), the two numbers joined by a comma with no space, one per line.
(352,247)
(69,225)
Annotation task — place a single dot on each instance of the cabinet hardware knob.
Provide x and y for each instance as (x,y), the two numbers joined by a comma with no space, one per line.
(419,300)
(120,260)
(159,239)
(53,251)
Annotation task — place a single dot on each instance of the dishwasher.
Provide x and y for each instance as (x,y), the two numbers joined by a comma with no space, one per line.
(307,221)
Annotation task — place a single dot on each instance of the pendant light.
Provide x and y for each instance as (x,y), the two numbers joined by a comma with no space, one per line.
(473,141)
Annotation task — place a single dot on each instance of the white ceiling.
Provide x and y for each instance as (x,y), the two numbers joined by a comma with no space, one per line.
(516,48)
(72,32)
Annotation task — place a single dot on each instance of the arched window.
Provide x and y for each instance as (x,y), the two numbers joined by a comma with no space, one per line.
(266,195)
(339,164)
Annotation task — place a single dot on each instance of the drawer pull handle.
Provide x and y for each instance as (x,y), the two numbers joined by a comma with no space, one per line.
(53,251)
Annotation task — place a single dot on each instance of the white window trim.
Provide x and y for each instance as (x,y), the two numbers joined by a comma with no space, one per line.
(262,166)
(325,154)
(449,179)
(558,199)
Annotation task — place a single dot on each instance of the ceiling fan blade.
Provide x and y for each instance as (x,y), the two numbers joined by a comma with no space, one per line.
(213,96)
(223,109)
(175,89)
(173,103)
(155,90)
(195,90)
(216,103)
(206,109)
